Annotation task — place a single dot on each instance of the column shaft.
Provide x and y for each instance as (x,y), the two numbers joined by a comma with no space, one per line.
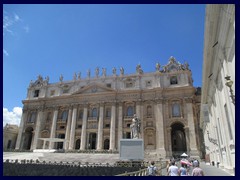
(67,136)
(84,126)
(53,128)
(100,129)
(73,128)
(112,129)
(160,144)
(20,132)
(37,129)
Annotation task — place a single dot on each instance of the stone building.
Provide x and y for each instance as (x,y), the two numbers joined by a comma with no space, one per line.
(96,112)
(218,89)
(10,133)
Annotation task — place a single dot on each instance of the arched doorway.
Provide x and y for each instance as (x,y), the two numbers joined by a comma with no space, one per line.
(28,138)
(106,144)
(77,145)
(178,139)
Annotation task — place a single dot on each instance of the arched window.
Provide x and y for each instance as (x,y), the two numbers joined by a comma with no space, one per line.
(94,112)
(64,115)
(175,110)
(130,111)
(149,111)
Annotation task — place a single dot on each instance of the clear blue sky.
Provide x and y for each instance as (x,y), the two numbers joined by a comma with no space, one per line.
(62,39)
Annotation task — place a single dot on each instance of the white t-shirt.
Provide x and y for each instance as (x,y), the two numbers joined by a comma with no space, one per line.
(173,171)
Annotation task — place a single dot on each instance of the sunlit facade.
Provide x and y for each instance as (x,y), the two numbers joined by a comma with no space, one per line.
(94,113)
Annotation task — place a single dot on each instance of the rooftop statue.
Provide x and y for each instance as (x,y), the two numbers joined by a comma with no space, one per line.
(79,75)
(104,72)
(121,70)
(61,78)
(157,66)
(114,71)
(74,76)
(97,71)
(88,73)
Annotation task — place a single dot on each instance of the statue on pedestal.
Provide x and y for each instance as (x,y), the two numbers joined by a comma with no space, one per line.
(135,127)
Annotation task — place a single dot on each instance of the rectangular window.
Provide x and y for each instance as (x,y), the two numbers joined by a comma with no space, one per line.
(173,80)
(109,85)
(52,93)
(36,93)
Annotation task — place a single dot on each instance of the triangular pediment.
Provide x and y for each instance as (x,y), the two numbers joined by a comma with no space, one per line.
(94,88)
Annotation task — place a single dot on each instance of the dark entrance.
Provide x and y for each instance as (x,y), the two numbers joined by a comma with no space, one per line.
(28,138)
(77,145)
(92,141)
(178,140)
(106,144)
(60,144)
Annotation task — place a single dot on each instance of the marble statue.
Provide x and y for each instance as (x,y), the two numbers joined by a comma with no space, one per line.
(158,67)
(121,70)
(135,127)
(97,72)
(114,71)
(104,72)
(74,76)
(61,78)
(88,73)
(79,75)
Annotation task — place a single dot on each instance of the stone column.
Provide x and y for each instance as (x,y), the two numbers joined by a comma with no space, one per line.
(73,128)
(53,128)
(120,123)
(160,144)
(37,128)
(20,131)
(187,139)
(84,126)
(169,131)
(67,136)
(112,129)
(139,113)
(191,125)
(100,129)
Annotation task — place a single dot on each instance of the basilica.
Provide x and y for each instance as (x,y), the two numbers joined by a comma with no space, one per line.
(95,113)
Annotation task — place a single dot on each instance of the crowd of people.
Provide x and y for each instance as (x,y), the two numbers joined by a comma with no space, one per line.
(184,170)
(187,168)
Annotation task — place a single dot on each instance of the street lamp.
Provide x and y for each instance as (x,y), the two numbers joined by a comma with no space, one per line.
(229,84)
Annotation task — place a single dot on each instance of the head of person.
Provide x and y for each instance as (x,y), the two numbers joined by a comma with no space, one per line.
(195,163)
(152,162)
(173,163)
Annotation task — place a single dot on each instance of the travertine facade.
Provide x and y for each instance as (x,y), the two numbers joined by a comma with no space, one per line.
(10,133)
(218,104)
(96,112)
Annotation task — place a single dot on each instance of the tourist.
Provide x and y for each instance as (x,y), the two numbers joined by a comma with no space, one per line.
(197,171)
(173,169)
(152,169)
